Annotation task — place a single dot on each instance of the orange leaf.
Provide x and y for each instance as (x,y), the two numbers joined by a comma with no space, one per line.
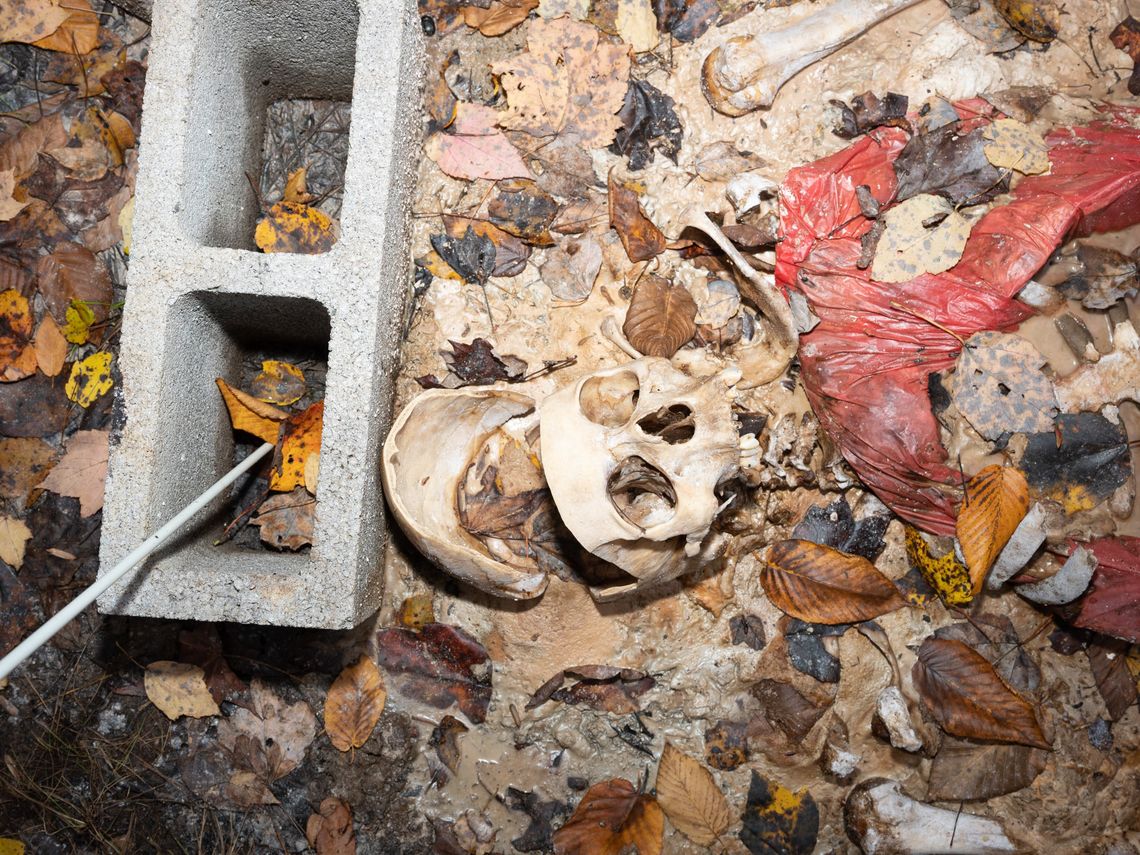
(996,500)
(78,34)
(354,704)
(301,438)
(613,818)
(51,346)
(967,697)
(330,831)
(17,354)
(642,240)
(296,189)
(251,415)
(819,584)
(293,227)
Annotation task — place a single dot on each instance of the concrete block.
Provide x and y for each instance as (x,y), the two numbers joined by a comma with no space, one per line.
(200,298)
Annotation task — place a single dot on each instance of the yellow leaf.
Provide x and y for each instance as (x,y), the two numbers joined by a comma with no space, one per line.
(79,319)
(126,224)
(295,189)
(90,379)
(301,438)
(779,820)
(435,265)
(996,500)
(417,611)
(278,383)
(945,574)
(17,354)
(249,414)
(690,797)
(1011,144)
(297,228)
(1037,20)
(312,471)
(51,346)
(14,537)
(179,689)
(356,699)
(7,845)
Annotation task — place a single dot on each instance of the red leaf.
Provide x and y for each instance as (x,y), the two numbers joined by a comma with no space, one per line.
(1112,605)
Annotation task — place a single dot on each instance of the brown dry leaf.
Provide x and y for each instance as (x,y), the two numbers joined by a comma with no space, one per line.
(354,704)
(272,737)
(179,689)
(300,438)
(70,275)
(296,189)
(14,537)
(642,240)
(472,147)
(251,415)
(1109,661)
(90,149)
(1126,37)
(79,32)
(329,831)
(439,665)
(996,500)
(521,208)
(819,584)
(17,353)
(82,470)
(20,151)
(417,611)
(1037,20)
(50,346)
(287,520)
(967,698)
(498,18)
(296,228)
(24,462)
(30,20)
(445,740)
(567,82)
(722,161)
(278,383)
(964,771)
(9,204)
(690,797)
(571,268)
(660,318)
(312,471)
(613,818)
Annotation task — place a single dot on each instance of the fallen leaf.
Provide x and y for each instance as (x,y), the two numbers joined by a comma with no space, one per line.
(1010,144)
(9,204)
(868,111)
(270,739)
(1103,276)
(7,845)
(778,821)
(807,652)
(329,831)
(571,268)
(966,771)
(1126,37)
(287,520)
(500,17)
(50,345)
(79,319)
(539,835)
(981,20)
(14,537)
(440,665)
(819,584)
(296,188)
(661,317)
(295,228)
(34,407)
(444,739)
(642,240)
(477,364)
(613,818)
(995,638)
(523,209)
(90,379)
(649,125)
(202,646)
(1037,20)
(472,255)
(786,707)
(417,611)
(748,630)
(472,147)
(278,383)
(71,275)
(1108,659)
(998,385)
(312,472)
(567,82)
(726,745)
(179,689)
(835,525)
(17,352)
(996,500)
(1079,463)
(722,161)
(300,437)
(944,573)
(967,698)
(31,20)
(82,470)
(688,21)
(690,797)
(355,701)
(126,221)
(910,246)
(601,687)
(251,415)
(24,462)
(948,163)
(79,32)
(1110,606)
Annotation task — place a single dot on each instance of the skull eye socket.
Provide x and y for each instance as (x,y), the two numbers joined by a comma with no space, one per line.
(610,400)
(641,493)
(674,424)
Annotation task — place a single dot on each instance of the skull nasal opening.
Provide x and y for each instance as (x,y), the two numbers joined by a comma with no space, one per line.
(674,424)
(610,400)
(641,493)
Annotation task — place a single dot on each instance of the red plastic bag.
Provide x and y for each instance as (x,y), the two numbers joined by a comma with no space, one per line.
(866,365)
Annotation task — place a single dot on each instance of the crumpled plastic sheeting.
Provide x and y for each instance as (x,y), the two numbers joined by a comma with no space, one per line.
(866,365)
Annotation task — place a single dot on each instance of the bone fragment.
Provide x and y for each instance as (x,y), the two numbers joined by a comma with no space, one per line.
(746,72)
(1020,548)
(881,820)
(891,711)
(1066,584)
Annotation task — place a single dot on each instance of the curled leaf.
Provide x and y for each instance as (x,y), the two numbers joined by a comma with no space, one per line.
(640,237)
(661,317)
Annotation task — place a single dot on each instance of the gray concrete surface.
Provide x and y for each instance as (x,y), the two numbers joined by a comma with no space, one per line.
(200,297)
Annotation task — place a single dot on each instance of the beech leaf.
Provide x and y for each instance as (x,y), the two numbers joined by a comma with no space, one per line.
(642,240)
(997,499)
(613,818)
(178,689)
(690,797)
(964,770)
(661,317)
(967,698)
(819,584)
(355,701)
(251,415)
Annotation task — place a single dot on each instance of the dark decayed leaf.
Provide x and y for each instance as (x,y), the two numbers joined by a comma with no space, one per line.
(788,709)
(778,821)
(1079,463)
(964,770)
(1112,604)
(1126,37)
(601,687)
(1037,20)
(613,818)
(687,20)
(1109,661)
(966,696)
(661,317)
(981,20)
(868,111)
(475,364)
(819,584)
(472,256)
(642,240)
(539,834)
(287,520)
(1100,735)
(948,163)
(521,208)
(445,740)
(748,630)
(835,525)
(1103,277)
(440,665)
(649,125)
(202,646)
(807,651)
(726,745)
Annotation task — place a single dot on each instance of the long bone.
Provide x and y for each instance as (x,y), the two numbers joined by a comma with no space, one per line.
(746,72)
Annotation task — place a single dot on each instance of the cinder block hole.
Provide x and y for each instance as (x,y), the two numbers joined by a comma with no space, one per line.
(249,58)
(226,335)
(300,132)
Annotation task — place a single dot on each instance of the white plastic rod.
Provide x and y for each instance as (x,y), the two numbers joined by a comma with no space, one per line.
(40,637)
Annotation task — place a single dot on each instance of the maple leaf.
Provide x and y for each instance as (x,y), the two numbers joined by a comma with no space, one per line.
(82,470)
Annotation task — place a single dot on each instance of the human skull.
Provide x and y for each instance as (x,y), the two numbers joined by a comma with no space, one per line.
(634,456)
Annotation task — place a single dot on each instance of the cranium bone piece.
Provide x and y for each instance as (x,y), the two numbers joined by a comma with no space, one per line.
(633,456)
(746,72)
(427,454)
